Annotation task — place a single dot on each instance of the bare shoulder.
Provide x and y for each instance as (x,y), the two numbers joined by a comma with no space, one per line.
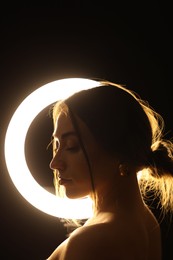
(83,243)
(58,252)
(90,242)
(120,239)
(114,240)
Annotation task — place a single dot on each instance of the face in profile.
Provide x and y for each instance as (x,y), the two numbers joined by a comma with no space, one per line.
(69,161)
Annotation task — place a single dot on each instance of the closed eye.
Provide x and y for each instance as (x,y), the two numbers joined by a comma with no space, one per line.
(72,148)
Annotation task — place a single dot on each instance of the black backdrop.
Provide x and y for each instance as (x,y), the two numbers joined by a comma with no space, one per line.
(131,45)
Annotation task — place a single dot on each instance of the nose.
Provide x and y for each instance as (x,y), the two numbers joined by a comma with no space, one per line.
(57,163)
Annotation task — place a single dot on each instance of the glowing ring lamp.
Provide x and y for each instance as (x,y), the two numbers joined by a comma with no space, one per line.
(15,152)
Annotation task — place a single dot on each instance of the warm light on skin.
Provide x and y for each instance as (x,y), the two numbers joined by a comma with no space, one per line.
(15,150)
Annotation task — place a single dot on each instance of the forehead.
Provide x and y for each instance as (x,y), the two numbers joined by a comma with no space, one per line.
(64,128)
(63,124)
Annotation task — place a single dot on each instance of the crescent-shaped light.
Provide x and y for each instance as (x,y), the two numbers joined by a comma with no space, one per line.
(14,149)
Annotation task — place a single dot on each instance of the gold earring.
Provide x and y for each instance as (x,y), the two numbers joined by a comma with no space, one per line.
(123,169)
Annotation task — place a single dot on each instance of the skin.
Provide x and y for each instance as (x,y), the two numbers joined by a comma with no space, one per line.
(122,227)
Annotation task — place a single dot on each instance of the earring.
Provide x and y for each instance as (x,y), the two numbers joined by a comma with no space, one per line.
(123,169)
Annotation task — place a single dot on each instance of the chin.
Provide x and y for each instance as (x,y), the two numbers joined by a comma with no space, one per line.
(75,195)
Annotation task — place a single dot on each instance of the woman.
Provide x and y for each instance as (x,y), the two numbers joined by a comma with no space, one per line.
(108,145)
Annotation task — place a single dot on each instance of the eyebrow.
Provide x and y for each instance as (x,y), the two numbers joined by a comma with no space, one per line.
(65,135)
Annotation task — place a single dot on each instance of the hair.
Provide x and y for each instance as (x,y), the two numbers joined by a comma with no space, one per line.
(128,128)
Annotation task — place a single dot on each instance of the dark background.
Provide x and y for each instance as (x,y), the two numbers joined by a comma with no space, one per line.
(131,45)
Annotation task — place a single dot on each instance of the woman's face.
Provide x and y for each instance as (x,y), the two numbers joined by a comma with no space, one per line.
(69,161)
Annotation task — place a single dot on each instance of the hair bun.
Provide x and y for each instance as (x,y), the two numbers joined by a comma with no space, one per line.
(162,159)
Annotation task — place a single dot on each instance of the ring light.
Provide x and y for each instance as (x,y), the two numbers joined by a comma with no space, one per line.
(15,152)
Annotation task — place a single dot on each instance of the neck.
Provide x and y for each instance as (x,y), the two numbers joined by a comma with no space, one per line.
(120,196)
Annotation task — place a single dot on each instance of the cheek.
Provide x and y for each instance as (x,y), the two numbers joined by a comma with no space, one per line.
(78,166)
(81,176)
(81,181)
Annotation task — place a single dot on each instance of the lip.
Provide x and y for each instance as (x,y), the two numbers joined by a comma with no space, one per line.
(63,181)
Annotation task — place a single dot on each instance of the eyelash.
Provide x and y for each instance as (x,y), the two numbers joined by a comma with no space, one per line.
(73,148)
